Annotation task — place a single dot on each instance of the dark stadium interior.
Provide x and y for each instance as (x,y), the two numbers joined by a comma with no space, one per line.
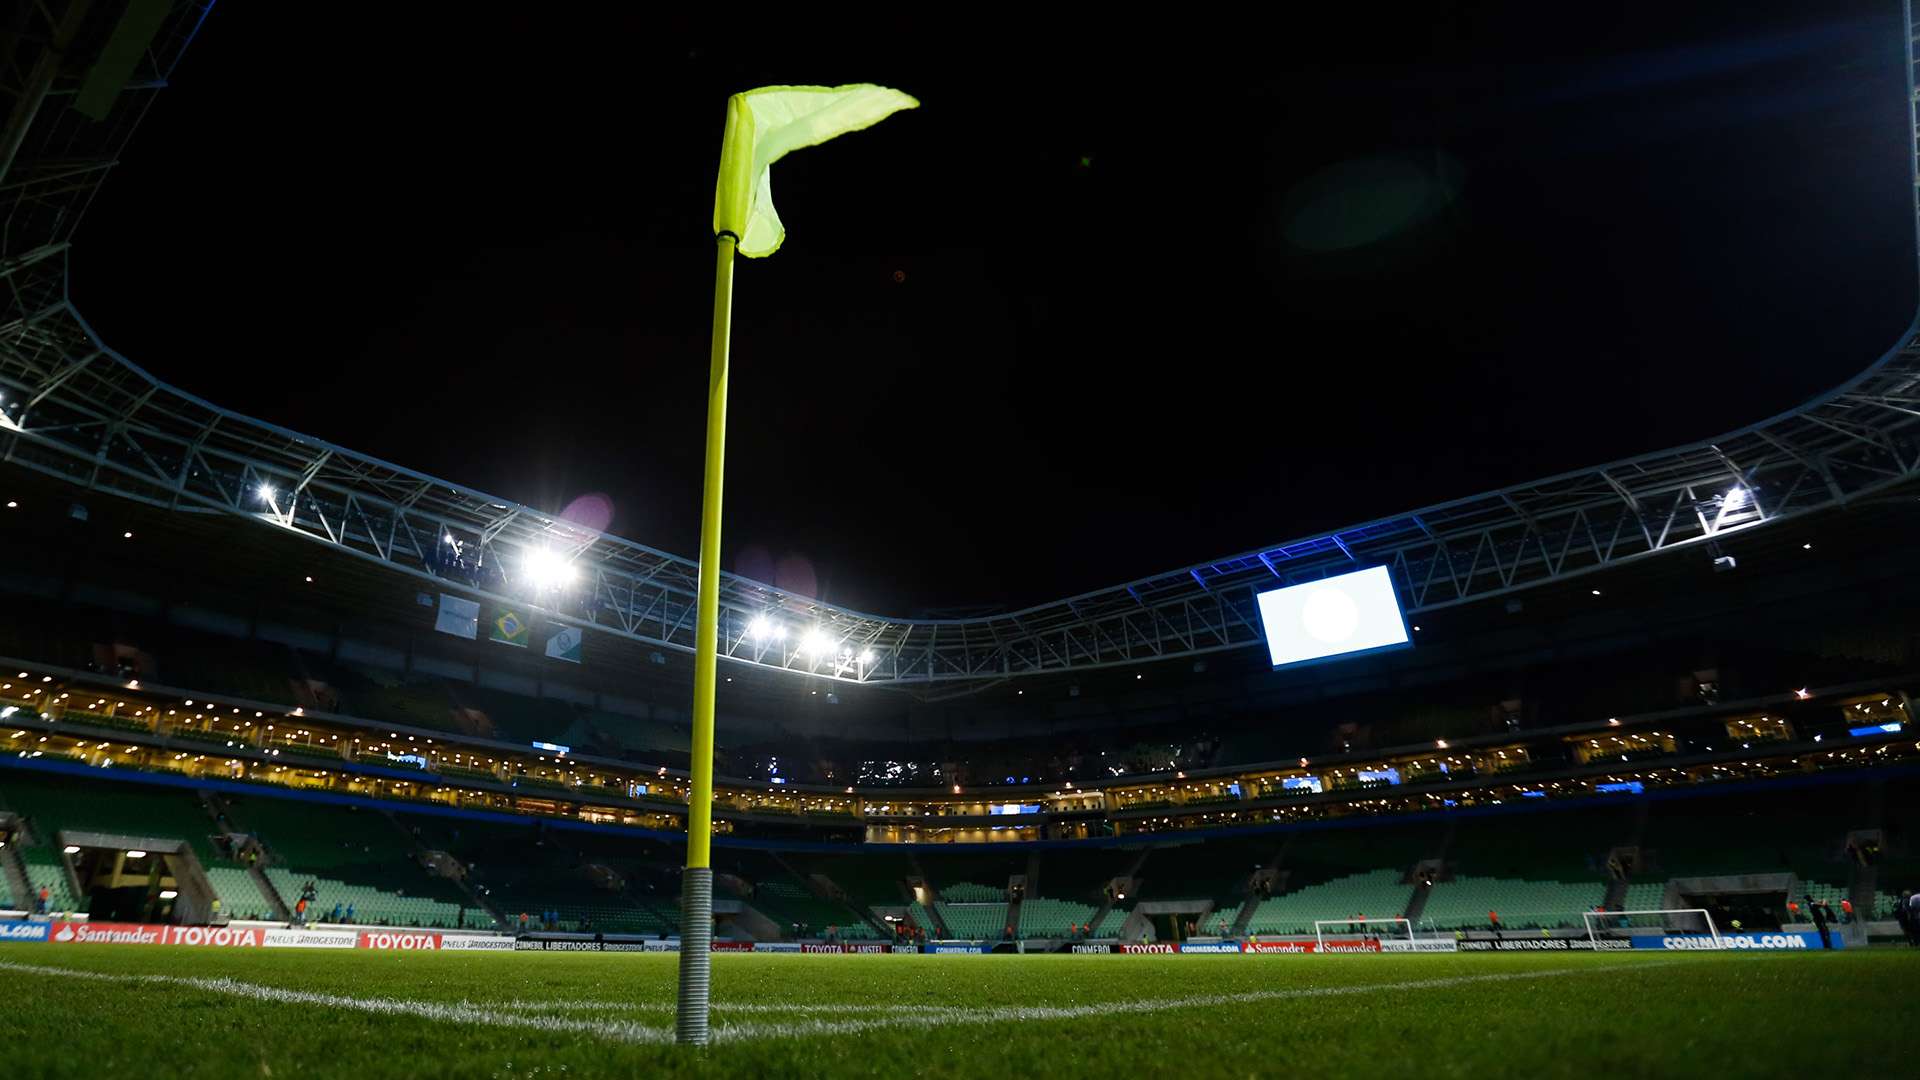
(349,460)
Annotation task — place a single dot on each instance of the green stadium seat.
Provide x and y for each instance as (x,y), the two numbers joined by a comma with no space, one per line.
(1377,893)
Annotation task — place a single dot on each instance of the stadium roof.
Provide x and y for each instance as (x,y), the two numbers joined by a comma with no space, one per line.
(75,409)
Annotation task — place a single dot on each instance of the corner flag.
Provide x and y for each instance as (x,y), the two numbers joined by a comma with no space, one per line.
(763,126)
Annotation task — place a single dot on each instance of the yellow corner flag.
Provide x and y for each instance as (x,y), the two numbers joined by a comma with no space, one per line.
(763,126)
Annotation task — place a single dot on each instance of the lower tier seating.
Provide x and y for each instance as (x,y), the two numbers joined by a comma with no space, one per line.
(1377,893)
(1464,903)
(981,922)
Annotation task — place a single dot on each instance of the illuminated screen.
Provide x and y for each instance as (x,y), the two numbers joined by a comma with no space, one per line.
(1013,808)
(1391,776)
(1336,616)
(1300,783)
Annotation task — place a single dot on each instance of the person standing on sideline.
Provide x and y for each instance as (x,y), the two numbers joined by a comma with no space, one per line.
(1819,922)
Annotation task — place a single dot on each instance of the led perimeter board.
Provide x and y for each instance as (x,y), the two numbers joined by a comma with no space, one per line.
(1337,616)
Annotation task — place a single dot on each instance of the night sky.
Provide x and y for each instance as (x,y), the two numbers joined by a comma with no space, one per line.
(1118,297)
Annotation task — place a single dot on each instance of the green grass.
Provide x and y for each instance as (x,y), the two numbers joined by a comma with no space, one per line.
(965,1016)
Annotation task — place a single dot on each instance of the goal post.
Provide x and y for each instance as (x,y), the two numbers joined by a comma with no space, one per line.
(1401,926)
(1697,922)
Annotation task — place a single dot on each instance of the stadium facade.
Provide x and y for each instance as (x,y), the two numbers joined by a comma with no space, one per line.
(262,660)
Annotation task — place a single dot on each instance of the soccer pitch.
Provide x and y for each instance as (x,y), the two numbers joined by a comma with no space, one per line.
(89,1011)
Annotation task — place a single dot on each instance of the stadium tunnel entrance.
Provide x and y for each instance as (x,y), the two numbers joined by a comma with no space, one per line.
(1742,904)
(117,878)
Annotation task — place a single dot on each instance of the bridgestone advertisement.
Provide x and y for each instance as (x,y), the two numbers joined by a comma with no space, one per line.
(310,939)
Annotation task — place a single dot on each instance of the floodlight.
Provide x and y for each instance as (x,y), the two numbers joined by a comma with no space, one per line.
(866,656)
(759,627)
(169,894)
(816,642)
(71,849)
(1734,499)
(546,569)
(265,491)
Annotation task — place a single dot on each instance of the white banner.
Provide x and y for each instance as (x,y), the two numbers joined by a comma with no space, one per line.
(310,939)
(458,617)
(1430,945)
(476,944)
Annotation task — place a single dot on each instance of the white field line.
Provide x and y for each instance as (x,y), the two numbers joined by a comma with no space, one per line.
(1029,1013)
(898,1016)
(782,1008)
(426,1010)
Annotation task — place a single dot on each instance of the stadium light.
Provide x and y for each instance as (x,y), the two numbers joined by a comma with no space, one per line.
(265,491)
(547,570)
(169,894)
(816,642)
(760,627)
(71,849)
(866,656)
(1734,499)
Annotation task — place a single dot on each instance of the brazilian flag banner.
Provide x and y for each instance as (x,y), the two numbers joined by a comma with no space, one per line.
(510,628)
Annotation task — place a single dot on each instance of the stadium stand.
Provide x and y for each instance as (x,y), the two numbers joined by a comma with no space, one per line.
(354,857)
(1377,894)
(528,869)
(52,805)
(1216,871)
(1748,834)
(966,892)
(922,918)
(1043,918)
(876,879)
(775,892)
(981,922)
(1644,896)
(1537,869)
(46,870)
(973,871)
(1465,902)
(1069,874)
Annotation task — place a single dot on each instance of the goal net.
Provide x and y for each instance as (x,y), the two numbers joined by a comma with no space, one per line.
(1695,923)
(1396,928)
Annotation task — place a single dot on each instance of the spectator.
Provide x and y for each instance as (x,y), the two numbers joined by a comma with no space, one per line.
(1846,910)
(349,911)
(337,911)
(40,907)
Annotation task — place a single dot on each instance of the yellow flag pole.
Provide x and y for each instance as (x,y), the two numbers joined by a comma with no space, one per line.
(696,894)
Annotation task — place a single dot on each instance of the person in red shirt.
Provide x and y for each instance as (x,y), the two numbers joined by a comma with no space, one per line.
(1846,910)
